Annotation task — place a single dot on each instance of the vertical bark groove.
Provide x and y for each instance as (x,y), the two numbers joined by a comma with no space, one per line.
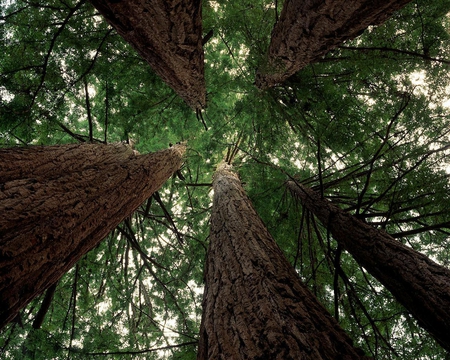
(64,206)
(308,29)
(417,282)
(255,305)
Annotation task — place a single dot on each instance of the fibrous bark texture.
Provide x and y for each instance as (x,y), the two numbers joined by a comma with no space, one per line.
(58,202)
(255,305)
(418,283)
(308,29)
(168,35)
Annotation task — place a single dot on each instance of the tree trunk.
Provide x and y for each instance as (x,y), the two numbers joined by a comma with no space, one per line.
(418,283)
(255,305)
(59,202)
(308,29)
(168,35)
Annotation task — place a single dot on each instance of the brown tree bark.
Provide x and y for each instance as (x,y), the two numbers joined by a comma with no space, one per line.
(168,35)
(59,202)
(418,283)
(255,305)
(308,29)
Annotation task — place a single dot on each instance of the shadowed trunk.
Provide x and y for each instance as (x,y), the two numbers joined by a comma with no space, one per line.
(255,305)
(418,283)
(59,202)
(308,29)
(168,35)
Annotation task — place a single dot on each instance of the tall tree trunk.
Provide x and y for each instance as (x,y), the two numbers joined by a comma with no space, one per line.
(308,29)
(255,305)
(168,35)
(59,202)
(418,283)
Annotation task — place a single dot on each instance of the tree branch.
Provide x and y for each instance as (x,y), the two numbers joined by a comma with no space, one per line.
(168,217)
(88,110)
(50,49)
(45,306)
(398,51)
(139,351)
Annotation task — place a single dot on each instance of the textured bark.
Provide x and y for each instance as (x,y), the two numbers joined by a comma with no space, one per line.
(59,202)
(308,29)
(255,305)
(168,35)
(418,283)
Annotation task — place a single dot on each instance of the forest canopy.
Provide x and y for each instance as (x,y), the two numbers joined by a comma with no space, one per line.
(367,126)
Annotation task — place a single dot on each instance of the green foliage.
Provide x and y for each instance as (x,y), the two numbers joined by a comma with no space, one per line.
(357,126)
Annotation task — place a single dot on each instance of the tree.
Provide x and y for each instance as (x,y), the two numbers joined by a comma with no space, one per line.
(307,30)
(417,282)
(366,124)
(255,306)
(59,202)
(168,35)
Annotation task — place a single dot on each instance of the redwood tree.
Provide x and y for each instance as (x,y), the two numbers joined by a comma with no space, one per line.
(168,35)
(65,73)
(307,30)
(418,283)
(59,202)
(255,306)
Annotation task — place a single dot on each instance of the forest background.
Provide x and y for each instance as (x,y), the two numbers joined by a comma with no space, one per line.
(367,125)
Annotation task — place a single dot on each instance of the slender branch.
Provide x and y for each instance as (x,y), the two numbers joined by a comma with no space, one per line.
(404,220)
(199,115)
(337,267)
(147,207)
(421,230)
(88,110)
(312,254)
(243,73)
(81,138)
(300,243)
(398,51)
(168,217)
(364,310)
(163,285)
(319,164)
(18,11)
(276,11)
(45,306)
(377,153)
(422,38)
(106,110)
(74,296)
(236,147)
(140,351)
(207,37)
(199,184)
(130,236)
(50,49)
(91,65)
(399,178)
